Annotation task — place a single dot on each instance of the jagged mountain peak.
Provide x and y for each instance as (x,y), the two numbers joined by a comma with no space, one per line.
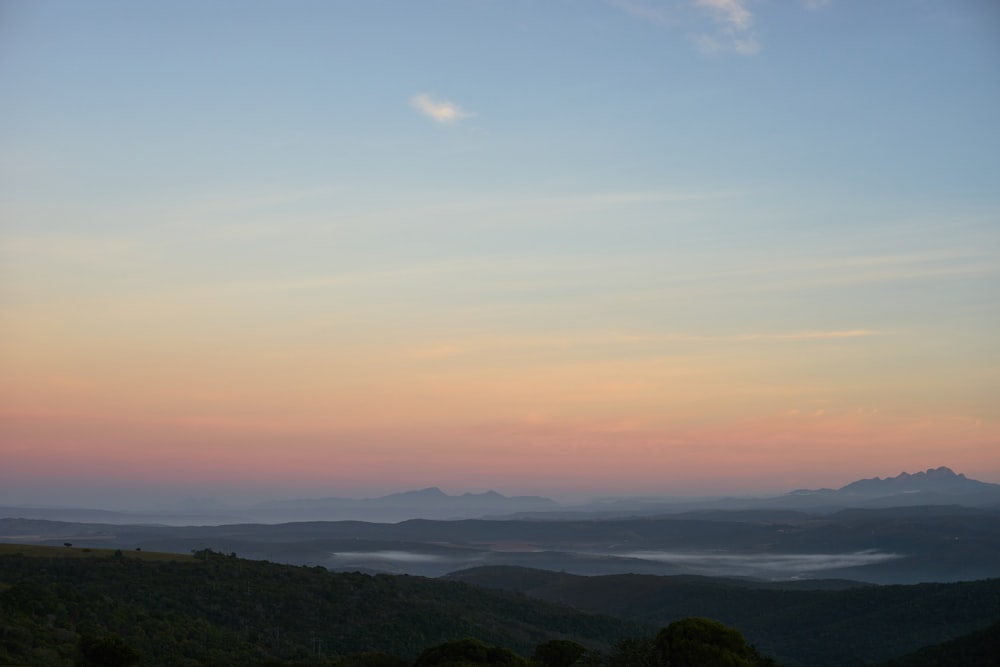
(940,479)
(942,472)
(431,492)
(487,494)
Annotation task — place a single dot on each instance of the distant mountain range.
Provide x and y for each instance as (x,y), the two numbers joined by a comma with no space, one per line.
(934,525)
(429,503)
(934,480)
(936,486)
(942,480)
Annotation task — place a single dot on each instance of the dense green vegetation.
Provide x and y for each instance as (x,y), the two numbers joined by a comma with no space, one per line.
(85,552)
(224,610)
(695,642)
(979,649)
(87,607)
(832,624)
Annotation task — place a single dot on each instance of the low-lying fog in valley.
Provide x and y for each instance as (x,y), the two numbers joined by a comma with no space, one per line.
(770,566)
(929,526)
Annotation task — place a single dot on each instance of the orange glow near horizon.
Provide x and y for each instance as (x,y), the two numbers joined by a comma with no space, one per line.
(578,281)
(637,452)
(599,413)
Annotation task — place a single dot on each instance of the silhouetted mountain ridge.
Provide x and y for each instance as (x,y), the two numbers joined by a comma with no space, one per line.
(934,487)
(427,503)
(941,480)
(933,480)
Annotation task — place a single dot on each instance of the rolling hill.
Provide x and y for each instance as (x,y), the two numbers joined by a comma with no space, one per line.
(823,623)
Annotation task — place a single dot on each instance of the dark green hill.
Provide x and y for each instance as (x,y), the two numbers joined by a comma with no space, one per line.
(223,610)
(979,649)
(796,624)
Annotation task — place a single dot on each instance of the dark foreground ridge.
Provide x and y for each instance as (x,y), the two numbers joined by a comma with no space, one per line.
(220,609)
(823,622)
(59,605)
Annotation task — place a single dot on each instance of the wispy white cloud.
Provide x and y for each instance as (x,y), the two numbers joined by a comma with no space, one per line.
(442,111)
(730,12)
(493,344)
(790,336)
(831,273)
(734,32)
(633,197)
(732,22)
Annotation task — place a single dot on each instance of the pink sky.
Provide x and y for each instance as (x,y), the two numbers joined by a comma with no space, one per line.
(564,249)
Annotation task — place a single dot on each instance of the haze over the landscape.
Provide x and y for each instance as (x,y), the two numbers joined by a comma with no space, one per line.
(590,248)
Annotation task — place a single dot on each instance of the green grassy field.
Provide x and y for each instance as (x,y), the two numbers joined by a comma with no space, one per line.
(35,551)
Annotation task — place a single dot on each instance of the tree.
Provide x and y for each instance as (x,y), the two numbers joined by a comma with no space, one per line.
(702,642)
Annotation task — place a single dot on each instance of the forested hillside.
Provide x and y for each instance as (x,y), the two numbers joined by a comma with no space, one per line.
(800,623)
(220,609)
(59,603)
(979,649)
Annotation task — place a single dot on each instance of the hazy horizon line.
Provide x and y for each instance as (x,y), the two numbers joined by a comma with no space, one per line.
(177,501)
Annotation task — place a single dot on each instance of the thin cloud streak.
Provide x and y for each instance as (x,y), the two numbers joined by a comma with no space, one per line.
(448,210)
(563,270)
(442,111)
(448,349)
(735,33)
(731,12)
(733,21)
(841,272)
(789,336)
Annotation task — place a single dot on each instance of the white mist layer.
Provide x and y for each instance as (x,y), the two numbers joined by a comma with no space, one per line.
(780,565)
(390,556)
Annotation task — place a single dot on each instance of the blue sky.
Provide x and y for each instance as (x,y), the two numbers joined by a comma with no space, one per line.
(564,95)
(674,221)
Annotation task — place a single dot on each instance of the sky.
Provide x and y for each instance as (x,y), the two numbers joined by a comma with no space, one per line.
(572,248)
